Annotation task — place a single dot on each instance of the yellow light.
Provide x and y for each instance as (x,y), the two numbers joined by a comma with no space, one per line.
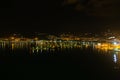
(12,38)
(36,38)
(13,46)
(17,40)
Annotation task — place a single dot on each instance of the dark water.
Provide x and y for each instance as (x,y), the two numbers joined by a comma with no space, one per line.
(84,60)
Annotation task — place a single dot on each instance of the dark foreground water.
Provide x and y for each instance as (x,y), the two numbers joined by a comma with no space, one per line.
(85,61)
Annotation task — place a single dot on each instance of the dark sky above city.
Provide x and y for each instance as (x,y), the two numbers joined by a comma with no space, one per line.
(59,15)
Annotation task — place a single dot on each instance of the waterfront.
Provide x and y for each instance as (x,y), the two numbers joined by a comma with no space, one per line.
(71,51)
(92,59)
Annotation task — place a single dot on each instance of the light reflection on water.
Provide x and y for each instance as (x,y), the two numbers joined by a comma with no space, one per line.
(39,46)
(53,46)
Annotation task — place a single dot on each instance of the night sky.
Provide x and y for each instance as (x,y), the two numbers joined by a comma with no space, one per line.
(59,15)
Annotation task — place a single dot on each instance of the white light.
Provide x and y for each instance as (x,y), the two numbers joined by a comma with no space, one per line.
(99,44)
(111,37)
(115,58)
(115,43)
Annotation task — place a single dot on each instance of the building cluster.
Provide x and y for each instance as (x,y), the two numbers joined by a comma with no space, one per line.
(62,36)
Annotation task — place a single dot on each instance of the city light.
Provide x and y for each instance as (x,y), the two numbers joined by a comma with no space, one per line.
(115,43)
(12,38)
(64,41)
(115,58)
(99,44)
